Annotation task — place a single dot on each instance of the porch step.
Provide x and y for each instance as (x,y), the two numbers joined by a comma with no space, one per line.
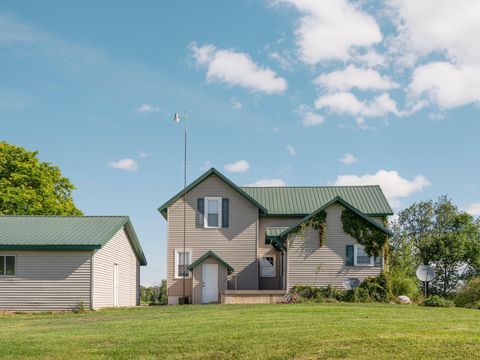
(253,296)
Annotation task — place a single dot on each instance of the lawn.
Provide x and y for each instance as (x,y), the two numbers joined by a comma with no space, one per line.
(302,331)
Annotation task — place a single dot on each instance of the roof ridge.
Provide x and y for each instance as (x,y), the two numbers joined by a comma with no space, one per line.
(307,186)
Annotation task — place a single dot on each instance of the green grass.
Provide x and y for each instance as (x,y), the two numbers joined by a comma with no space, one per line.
(301,331)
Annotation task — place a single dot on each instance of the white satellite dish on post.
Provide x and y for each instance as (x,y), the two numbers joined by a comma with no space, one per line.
(426,274)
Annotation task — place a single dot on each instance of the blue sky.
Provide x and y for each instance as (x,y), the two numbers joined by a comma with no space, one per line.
(294,92)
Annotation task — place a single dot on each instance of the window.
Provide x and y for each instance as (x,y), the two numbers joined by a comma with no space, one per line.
(7,265)
(213,211)
(361,257)
(267,266)
(182,260)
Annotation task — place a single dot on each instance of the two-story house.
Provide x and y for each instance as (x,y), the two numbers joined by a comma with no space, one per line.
(237,238)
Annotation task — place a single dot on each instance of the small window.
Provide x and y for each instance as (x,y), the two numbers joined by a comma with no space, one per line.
(182,260)
(361,257)
(267,266)
(7,265)
(213,211)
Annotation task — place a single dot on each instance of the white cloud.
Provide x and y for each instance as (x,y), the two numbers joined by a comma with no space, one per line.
(236,105)
(446,85)
(124,164)
(393,185)
(331,29)
(371,58)
(143,154)
(355,77)
(268,183)
(444,26)
(309,118)
(473,209)
(239,166)
(347,103)
(148,108)
(237,69)
(291,150)
(283,60)
(447,29)
(348,159)
(14,32)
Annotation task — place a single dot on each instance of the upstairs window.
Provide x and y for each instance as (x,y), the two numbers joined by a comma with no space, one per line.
(213,212)
(267,266)
(182,260)
(7,265)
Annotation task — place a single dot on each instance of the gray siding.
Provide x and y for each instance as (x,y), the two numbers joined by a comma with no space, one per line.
(237,244)
(309,264)
(197,280)
(118,250)
(47,281)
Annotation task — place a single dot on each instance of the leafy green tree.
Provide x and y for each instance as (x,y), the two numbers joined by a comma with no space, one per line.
(438,233)
(31,187)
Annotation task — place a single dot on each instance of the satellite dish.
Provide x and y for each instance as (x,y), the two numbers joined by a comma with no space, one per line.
(425,273)
(350,283)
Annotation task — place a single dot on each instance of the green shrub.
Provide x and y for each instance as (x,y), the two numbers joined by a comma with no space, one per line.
(358,295)
(79,308)
(405,285)
(438,301)
(469,294)
(379,287)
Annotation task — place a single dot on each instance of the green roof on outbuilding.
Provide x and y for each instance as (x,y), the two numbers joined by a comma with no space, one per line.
(64,233)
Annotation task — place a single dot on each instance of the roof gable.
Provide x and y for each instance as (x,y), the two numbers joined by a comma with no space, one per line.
(341,201)
(303,200)
(163,209)
(64,233)
(208,254)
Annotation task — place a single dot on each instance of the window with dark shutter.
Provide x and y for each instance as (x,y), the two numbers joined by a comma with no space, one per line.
(225,210)
(377,260)
(200,212)
(349,255)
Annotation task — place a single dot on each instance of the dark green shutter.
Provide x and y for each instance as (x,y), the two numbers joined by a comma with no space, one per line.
(349,255)
(225,205)
(200,212)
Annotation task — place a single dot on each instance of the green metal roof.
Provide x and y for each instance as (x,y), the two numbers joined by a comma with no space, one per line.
(275,231)
(272,236)
(163,209)
(206,255)
(64,233)
(345,204)
(303,200)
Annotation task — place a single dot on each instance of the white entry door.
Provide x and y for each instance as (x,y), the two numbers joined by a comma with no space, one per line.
(115,285)
(209,283)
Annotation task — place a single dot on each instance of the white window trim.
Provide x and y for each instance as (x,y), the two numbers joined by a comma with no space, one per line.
(205,216)
(274,266)
(5,266)
(176,275)
(355,249)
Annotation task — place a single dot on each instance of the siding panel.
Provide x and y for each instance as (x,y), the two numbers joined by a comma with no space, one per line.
(118,250)
(237,244)
(309,264)
(47,281)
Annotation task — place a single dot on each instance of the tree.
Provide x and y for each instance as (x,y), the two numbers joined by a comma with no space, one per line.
(31,187)
(438,233)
